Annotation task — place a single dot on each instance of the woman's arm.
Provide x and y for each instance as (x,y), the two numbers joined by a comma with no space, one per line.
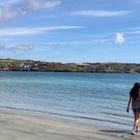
(129,101)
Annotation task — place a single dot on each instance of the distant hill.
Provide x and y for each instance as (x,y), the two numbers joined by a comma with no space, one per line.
(31,65)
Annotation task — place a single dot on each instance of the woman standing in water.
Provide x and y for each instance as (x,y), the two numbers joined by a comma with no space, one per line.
(134,97)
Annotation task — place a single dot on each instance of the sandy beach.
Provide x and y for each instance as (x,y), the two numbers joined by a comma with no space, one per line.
(23,126)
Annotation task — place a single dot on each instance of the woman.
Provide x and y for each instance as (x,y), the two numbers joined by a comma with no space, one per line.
(134,97)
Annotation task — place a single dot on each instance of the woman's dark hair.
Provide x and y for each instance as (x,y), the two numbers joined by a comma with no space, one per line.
(135,91)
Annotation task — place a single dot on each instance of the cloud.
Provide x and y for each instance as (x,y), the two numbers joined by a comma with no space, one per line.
(119,39)
(59,45)
(39,4)
(132,30)
(36,30)
(6,13)
(18,48)
(12,8)
(9,2)
(100,13)
(22,48)
(135,30)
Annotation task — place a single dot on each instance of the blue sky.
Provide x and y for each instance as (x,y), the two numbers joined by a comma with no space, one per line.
(70,30)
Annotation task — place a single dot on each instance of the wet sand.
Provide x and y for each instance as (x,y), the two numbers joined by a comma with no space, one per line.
(23,126)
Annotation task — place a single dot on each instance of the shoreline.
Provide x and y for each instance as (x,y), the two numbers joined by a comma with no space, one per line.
(20,125)
(100,72)
(77,118)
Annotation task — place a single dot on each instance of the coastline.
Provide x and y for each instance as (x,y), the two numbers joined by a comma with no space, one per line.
(20,125)
(44,66)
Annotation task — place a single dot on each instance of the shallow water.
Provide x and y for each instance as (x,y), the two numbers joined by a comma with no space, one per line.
(88,97)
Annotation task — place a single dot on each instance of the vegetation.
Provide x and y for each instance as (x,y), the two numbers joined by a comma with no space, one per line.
(137,69)
(30,65)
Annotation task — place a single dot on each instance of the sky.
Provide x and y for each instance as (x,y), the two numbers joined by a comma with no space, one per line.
(70,31)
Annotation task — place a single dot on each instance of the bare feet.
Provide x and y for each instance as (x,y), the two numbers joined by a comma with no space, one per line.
(133,132)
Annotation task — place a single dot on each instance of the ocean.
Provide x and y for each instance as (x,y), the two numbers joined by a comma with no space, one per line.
(94,98)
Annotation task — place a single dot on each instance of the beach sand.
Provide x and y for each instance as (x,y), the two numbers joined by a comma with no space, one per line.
(23,126)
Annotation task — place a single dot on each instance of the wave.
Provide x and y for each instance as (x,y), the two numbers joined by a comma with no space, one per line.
(73,116)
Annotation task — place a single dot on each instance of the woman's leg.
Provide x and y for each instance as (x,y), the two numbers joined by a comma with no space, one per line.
(136,122)
(137,125)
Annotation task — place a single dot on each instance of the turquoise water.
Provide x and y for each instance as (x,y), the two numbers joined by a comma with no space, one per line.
(98,98)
